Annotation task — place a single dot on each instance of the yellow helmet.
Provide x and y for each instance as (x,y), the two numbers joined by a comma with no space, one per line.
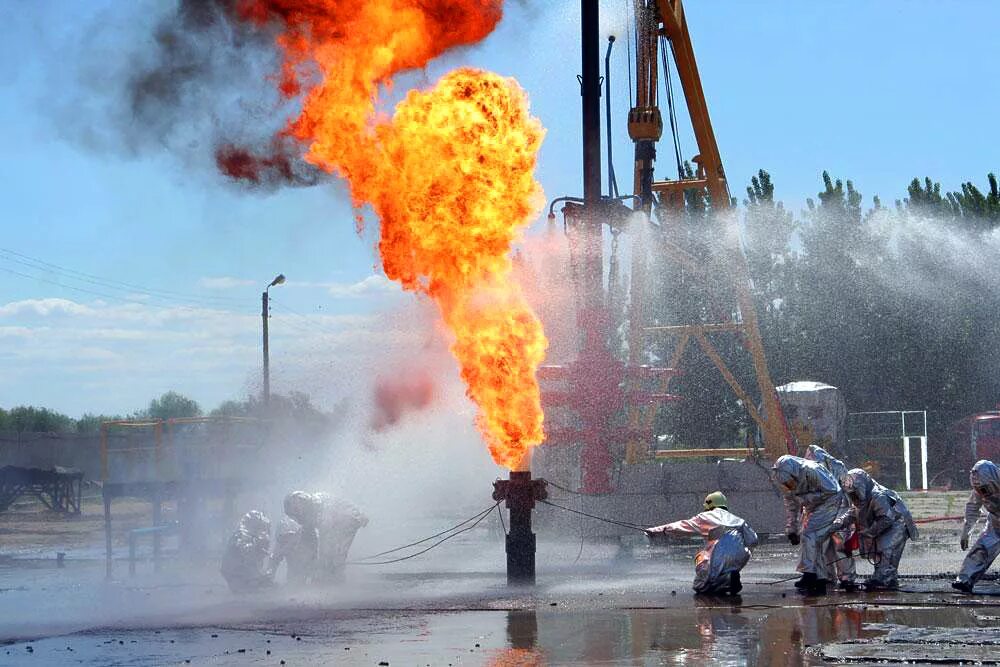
(715,500)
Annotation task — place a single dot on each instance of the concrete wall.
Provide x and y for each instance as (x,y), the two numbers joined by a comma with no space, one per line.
(196,450)
(47,450)
(650,494)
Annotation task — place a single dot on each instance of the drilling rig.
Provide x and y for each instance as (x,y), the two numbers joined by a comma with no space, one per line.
(612,397)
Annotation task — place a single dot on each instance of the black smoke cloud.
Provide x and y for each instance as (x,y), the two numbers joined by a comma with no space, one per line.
(189,79)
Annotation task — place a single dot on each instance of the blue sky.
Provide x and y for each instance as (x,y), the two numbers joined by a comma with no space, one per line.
(877,92)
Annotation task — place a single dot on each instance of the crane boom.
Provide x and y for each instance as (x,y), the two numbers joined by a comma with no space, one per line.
(666,17)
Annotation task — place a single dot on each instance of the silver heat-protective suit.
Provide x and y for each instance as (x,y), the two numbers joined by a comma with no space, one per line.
(843,563)
(812,499)
(297,541)
(245,562)
(728,541)
(985,481)
(339,521)
(883,523)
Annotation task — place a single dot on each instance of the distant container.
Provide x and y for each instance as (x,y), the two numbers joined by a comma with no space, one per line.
(816,414)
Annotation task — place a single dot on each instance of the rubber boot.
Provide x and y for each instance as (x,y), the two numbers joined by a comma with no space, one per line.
(848,586)
(806,580)
(735,585)
(871,585)
(962,586)
(818,587)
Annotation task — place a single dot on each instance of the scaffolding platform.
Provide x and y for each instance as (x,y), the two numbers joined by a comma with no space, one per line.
(59,489)
(187,461)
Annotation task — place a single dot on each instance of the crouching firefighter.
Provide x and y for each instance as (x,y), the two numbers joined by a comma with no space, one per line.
(298,537)
(812,499)
(884,524)
(985,481)
(728,541)
(838,552)
(246,560)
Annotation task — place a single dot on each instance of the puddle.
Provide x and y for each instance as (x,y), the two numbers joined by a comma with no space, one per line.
(706,633)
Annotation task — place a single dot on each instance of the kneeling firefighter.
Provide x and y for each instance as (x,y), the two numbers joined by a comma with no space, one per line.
(245,562)
(812,499)
(728,541)
(884,524)
(339,522)
(985,481)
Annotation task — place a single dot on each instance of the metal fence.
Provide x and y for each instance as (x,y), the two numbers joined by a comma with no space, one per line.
(893,443)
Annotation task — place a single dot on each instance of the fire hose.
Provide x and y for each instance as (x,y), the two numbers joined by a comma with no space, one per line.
(454,531)
(614,522)
(939,518)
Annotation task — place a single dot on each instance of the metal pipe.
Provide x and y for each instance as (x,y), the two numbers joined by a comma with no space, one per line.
(520,493)
(612,183)
(267,369)
(590,90)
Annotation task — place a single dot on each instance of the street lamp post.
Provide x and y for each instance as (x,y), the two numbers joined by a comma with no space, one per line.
(264,308)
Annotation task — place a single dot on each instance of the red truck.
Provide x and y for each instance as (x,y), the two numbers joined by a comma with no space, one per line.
(973,438)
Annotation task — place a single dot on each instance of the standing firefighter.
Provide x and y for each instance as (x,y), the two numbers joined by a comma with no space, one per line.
(247,555)
(985,481)
(884,524)
(837,552)
(812,500)
(728,541)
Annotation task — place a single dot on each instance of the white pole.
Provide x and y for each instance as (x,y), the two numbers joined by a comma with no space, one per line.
(906,460)
(923,459)
(925,449)
(906,449)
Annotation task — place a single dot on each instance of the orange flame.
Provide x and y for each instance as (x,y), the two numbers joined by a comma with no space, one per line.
(450,175)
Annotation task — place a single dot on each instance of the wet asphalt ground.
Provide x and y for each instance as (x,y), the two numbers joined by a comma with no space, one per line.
(593,605)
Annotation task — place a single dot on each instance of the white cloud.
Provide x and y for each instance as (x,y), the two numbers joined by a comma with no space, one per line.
(44,307)
(372,285)
(54,347)
(16,332)
(224,282)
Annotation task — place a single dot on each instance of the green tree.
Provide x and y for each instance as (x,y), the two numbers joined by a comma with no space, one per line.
(972,209)
(29,419)
(171,405)
(926,199)
(836,296)
(980,212)
(769,233)
(296,406)
(90,423)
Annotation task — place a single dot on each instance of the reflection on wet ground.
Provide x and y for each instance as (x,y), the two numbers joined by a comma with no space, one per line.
(706,632)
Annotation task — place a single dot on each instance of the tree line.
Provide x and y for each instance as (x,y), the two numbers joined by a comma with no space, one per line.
(170,405)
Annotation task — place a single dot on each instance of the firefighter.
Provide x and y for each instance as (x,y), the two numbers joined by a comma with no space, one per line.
(838,551)
(728,541)
(297,541)
(339,521)
(812,499)
(245,562)
(884,524)
(985,481)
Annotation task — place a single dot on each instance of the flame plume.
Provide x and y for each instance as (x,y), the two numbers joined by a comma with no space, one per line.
(450,175)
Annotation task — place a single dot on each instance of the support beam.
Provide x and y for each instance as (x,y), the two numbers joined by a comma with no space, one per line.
(723,452)
(107,532)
